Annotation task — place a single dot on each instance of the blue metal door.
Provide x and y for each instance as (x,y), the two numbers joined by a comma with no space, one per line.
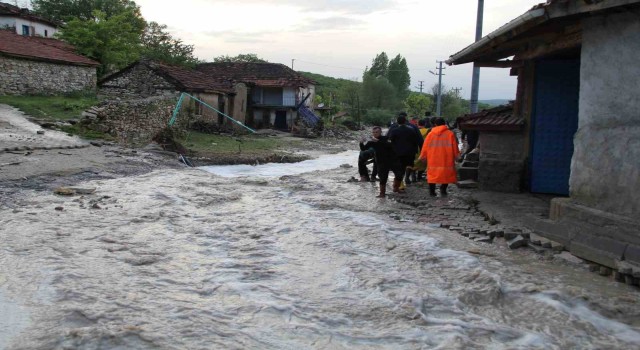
(554,122)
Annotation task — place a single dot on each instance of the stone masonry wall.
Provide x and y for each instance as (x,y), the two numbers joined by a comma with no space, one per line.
(138,82)
(26,77)
(502,161)
(132,122)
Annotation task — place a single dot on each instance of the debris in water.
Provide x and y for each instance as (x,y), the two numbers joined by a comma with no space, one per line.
(64,191)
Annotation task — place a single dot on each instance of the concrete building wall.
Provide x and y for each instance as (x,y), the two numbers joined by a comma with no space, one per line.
(7,22)
(206,114)
(41,29)
(27,77)
(239,103)
(605,169)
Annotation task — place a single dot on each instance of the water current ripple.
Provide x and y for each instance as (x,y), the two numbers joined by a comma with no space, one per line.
(189,259)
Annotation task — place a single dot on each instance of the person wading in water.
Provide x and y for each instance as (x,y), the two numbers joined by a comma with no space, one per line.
(440,150)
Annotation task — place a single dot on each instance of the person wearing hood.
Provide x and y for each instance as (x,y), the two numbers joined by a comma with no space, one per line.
(440,151)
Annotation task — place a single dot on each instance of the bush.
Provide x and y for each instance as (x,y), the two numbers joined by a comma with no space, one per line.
(350,124)
(379,117)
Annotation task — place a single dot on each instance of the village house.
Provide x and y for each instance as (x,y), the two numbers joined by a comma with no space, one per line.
(34,65)
(23,22)
(143,79)
(577,96)
(277,95)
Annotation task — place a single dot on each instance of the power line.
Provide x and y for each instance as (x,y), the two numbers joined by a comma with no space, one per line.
(359,69)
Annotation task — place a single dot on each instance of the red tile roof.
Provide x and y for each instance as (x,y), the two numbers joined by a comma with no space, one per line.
(184,79)
(262,74)
(191,79)
(40,49)
(15,11)
(499,118)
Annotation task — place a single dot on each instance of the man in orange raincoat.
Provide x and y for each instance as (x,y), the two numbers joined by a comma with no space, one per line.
(440,150)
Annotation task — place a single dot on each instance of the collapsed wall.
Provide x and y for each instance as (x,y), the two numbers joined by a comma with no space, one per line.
(132,122)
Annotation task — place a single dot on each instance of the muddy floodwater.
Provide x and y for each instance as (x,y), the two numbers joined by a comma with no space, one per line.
(288,256)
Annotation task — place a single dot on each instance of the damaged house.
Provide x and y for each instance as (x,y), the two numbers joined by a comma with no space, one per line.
(577,95)
(277,95)
(258,95)
(139,100)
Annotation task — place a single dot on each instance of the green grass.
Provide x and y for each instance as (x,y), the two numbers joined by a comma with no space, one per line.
(52,107)
(83,132)
(223,144)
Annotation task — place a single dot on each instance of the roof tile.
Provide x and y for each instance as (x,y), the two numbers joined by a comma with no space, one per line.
(499,118)
(41,49)
(263,74)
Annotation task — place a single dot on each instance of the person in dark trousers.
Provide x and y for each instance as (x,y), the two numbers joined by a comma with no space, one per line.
(406,143)
(383,155)
(367,154)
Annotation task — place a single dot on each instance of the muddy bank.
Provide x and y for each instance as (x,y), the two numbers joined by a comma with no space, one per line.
(246,158)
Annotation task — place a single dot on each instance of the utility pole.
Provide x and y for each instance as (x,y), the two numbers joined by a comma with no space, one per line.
(457,90)
(421,85)
(475,81)
(439,68)
(293,59)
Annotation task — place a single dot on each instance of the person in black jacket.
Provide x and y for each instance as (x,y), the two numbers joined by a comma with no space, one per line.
(367,155)
(406,142)
(383,155)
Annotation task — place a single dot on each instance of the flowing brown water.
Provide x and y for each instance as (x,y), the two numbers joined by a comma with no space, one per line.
(193,260)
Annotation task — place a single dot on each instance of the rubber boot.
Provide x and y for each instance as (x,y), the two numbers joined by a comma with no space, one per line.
(396,185)
(383,191)
(443,190)
(364,179)
(407,178)
(414,176)
(432,190)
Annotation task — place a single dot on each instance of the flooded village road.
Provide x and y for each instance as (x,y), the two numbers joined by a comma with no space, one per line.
(189,259)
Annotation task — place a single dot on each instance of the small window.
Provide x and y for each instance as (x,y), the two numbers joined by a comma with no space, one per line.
(25,30)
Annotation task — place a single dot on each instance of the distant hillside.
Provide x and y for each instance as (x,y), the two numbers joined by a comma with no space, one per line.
(330,86)
(494,103)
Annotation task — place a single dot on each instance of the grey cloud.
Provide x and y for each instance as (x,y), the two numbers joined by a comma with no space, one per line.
(330,23)
(242,37)
(355,7)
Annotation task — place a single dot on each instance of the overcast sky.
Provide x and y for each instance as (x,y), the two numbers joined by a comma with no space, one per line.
(339,38)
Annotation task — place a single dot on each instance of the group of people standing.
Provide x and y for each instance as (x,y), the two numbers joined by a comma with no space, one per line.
(409,146)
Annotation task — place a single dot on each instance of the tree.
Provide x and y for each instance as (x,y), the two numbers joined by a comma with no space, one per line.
(398,75)
(159,45)
(66,10)
(114,42)
(241,58)
(378,92)
(418,103)
(379,66)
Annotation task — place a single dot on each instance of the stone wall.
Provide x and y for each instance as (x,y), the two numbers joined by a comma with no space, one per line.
(27,77)
(605,171)
(133,122)
(138,82)
(502,161)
